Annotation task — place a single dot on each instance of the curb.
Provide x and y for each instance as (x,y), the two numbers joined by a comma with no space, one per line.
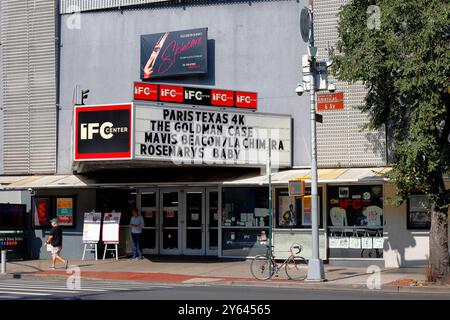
(261,284)
(384,288)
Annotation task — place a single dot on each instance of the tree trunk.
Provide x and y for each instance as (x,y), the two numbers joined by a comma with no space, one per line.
(439,255)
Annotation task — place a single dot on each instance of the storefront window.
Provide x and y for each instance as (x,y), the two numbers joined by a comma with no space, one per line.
(419,212)
(355,221)
(295,213)
(245,221)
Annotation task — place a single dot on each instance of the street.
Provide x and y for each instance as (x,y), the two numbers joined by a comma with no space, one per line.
(35,289)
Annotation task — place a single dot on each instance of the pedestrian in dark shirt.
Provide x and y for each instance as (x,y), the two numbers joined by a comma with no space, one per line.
(55,240)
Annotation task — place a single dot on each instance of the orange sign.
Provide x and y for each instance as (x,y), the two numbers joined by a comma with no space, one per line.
(330,101)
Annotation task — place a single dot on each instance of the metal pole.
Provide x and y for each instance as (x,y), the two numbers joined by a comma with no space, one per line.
(315,264)
(3,269)
(269,170)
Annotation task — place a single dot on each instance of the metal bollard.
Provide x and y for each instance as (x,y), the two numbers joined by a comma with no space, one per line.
(3,269)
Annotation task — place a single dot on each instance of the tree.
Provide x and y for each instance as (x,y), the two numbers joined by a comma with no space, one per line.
(400,50)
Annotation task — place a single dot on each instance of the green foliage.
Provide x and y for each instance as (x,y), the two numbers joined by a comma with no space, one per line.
(405,66)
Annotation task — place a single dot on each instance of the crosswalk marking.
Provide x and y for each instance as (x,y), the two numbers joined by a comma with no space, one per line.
(90,284)
(4,286)
(28,289)
(26,293)
(16,288)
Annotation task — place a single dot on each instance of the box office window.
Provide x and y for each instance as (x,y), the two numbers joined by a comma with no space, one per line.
(295,213)
(355,221)
(245,207)
(419,212)
(245,221)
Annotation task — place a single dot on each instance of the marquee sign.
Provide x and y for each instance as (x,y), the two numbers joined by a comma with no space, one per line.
(208,137)
(195,96)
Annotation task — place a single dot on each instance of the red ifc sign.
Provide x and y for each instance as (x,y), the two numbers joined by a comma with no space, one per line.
(171,93)
(146,91)
(222,98)
(246,100)
(195,96)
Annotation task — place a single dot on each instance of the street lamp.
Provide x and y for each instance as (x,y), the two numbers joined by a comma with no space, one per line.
(315,264)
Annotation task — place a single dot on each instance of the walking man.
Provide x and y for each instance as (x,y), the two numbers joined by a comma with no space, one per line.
(137,223)
(55,240)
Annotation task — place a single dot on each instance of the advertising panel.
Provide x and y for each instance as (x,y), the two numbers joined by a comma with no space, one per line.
(103,132)
(110,230)
(211,137)
(91,226)
(12,216)
(174,53)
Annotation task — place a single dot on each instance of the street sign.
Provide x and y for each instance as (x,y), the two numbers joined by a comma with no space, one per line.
(330,101)
(304,24)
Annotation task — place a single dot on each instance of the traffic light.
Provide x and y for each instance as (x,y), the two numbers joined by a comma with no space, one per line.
(84,95)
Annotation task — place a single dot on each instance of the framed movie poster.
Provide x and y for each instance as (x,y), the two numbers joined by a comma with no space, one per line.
(306,211)
(65,211)
(42,211)
(286,208)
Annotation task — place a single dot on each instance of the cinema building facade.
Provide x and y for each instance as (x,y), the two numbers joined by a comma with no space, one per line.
(188,102)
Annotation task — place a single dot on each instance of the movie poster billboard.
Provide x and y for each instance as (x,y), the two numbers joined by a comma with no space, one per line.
(174,53)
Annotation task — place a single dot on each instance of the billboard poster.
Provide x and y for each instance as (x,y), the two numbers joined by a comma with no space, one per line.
(91,226)
(110,230)
(42,211)
(64,211)
(103,132)
(211,137)
(174,53)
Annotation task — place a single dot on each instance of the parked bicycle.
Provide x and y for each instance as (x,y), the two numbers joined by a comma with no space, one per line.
(264,267)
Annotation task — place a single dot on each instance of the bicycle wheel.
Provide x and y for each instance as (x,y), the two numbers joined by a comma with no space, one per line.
(296,268)
(260,268)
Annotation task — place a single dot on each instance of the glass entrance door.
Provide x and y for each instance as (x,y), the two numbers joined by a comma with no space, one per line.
(212,222)
(194,222)
(170,239)
(149,205)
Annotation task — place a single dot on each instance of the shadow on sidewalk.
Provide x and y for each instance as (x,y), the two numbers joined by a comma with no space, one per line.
(193,259)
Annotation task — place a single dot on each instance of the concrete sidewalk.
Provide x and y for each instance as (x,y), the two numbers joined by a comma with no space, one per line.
(221,272)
